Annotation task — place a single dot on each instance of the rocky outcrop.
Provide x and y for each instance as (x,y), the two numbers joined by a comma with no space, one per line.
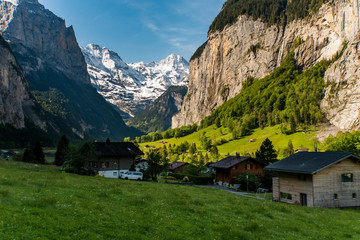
(133,86)
(55,67)
(252,49)
(157,117)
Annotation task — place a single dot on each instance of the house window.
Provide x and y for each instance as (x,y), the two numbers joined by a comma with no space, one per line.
(354,195)
(347,177)
(335,196)
(302,177)
(249,166)
(286,196)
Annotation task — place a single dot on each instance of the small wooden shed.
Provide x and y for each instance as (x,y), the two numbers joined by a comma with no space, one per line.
(178,167)
(318,179)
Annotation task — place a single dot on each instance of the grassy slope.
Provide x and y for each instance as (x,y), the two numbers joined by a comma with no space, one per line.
(242,145)
(41,203)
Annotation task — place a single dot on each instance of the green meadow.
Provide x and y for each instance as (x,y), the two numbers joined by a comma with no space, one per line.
(300,139)
(40,202)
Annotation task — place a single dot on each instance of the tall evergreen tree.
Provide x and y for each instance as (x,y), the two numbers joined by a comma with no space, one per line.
(38,153)
(62,148)
(290,148)
(266,153)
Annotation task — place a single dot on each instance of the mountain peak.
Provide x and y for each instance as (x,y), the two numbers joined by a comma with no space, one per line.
(17,2)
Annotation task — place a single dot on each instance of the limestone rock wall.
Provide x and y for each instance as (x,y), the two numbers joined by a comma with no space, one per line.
(229,58)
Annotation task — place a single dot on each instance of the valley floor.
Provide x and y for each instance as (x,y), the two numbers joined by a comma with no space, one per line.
(40,202)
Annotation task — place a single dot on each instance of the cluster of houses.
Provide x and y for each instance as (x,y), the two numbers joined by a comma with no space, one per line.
(316,179)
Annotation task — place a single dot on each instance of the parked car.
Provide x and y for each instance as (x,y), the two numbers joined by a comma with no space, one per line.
(132,175)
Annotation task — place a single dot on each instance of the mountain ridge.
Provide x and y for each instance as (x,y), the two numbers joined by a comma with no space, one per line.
(132,86)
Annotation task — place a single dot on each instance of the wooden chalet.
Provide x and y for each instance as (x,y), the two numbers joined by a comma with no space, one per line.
(113,158)
(230,167)
(177,167)
(318,179)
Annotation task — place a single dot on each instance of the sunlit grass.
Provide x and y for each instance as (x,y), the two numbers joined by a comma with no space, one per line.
(299,139)
(38,202)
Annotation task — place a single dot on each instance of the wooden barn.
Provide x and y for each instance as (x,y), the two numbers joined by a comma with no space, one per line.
(318,179)
(113,158)
(230,167)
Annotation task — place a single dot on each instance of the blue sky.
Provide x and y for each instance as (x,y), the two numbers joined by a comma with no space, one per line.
(139,30)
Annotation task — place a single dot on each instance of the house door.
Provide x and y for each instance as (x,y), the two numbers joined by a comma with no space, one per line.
(303,199)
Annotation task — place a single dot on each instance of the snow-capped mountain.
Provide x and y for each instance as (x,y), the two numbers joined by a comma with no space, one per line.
(133,86)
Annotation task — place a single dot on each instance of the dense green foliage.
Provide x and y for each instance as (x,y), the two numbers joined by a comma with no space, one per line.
(11,137)
(198,51)
(198,180)
(285,96)
(62,149)
(157,117)
(39,202)
(78,154)
(171,133)
(52,101)
(248,181)
(266,153)
(270,11)
(344,142)
(34,154)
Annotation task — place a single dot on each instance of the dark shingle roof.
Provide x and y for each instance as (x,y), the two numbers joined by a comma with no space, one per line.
(231,161)
(175,165)
(117,149)
(309,162)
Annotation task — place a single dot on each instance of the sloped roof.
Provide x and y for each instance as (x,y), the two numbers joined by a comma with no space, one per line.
(309,162)
(117,149)
(231,161)
(175,165)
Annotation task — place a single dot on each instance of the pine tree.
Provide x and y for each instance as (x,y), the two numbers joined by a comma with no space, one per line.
(290,148)
(266,153)
(62,148)
(38,153)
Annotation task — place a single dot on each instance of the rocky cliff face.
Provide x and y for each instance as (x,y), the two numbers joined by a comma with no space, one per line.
(133,86)
(55,67)
(16,102)
(251,48)
(157,117)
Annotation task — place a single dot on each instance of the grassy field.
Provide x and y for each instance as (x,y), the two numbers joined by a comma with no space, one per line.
(280,141)
(39,202)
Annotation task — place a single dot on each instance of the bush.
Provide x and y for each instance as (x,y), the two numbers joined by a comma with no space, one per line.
(198,180)
(252,181)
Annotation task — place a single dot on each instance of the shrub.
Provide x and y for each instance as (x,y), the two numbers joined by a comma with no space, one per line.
(252,181)
(199,180)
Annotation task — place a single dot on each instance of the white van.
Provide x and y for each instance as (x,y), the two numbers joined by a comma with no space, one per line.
(132,175)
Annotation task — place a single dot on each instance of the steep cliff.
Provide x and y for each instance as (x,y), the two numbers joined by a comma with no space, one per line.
(253,48)
(55,67)
(16,102)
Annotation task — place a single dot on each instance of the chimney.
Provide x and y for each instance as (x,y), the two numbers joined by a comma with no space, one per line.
(237,155)
(108,141)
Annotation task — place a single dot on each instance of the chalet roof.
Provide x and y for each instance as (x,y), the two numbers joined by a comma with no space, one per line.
(175,165)
(117,149)
(231,161)
(310,162)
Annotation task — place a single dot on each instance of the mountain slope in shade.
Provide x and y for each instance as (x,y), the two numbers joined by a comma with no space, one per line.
(133,86)
(54,65)
(157,117)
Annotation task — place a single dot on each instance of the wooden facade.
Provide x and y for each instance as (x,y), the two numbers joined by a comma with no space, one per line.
(325,188)
(227,175)
(113,158)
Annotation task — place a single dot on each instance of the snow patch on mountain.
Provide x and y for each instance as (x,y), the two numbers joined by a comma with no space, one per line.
(133,86)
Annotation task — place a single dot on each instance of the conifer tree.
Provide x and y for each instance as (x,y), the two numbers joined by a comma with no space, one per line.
(290,148)
(62,148)
(266,153)
(38,153)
